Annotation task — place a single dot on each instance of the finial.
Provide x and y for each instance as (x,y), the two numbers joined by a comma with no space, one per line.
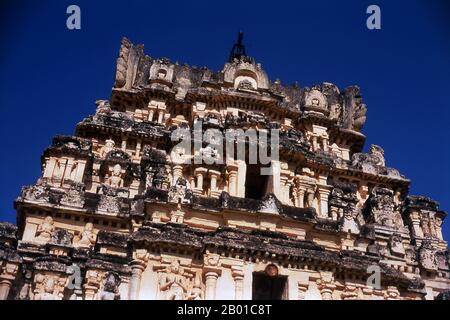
(238,49)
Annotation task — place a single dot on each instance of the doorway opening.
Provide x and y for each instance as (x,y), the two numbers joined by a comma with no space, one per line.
(255,183)
(266,287)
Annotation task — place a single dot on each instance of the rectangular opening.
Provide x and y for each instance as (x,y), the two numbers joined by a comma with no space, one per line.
(255,183)
(266,287)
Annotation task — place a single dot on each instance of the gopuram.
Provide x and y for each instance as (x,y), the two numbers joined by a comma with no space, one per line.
(146,201)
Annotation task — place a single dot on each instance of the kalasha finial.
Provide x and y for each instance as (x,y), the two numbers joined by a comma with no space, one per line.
(238,49)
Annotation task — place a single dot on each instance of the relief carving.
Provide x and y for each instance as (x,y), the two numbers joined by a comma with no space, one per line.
(87,237)
(173,282)
(45,229)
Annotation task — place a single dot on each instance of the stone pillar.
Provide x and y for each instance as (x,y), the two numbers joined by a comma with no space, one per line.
(232,180)
(325,144)
(69,165)
(415,220)
(124,144)
(199,173)
(150,114)
(211,282)
(238,275)
(192,182)
(177,172)
(281,189)
(5,285)
(138,149)
(326,286)
(6,279)
(314,143)
(301,197)
(324,192)
(288,186)
(92,284)
(160,116)
(49,168)
(295,195)
(302,288)
(137,267)
(80,170)
(214,177)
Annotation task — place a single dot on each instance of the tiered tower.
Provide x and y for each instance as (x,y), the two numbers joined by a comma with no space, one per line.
(123,210)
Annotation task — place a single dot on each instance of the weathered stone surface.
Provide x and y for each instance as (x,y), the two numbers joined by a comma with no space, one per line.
(130,212)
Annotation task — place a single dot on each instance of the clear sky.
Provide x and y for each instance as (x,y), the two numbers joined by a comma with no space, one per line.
(50,76)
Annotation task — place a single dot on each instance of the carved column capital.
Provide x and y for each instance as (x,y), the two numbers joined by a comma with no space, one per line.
(137,267)
(302,288)
(238,275)
(326,286)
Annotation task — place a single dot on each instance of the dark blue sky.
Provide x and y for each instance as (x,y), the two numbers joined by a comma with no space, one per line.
(51,76)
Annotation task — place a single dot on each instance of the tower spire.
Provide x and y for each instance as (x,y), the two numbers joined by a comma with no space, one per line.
(238,49)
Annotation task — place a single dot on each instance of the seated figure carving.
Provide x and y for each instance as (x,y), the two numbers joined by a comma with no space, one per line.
(45,229)
(87,237)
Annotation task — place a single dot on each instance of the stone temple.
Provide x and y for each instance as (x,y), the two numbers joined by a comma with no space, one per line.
(123,211)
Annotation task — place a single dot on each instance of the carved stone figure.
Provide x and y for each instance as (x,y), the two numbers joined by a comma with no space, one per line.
(49,288)
(314,99)
(196,293)
(396,245)
(38,192)
(348,223)
(109,204)
(372,162)
(103,106)
(110,287)
(179,193)
(209,154)
(380,208)
(427,256)
(74,196)
(45,229)
(116,180)
(211,260)
(335,111)
(61,237)
(354,110)
(109,146)
(245,85)
(122,63)
(87,237)
(377,154)
(173,282)
(270,204)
